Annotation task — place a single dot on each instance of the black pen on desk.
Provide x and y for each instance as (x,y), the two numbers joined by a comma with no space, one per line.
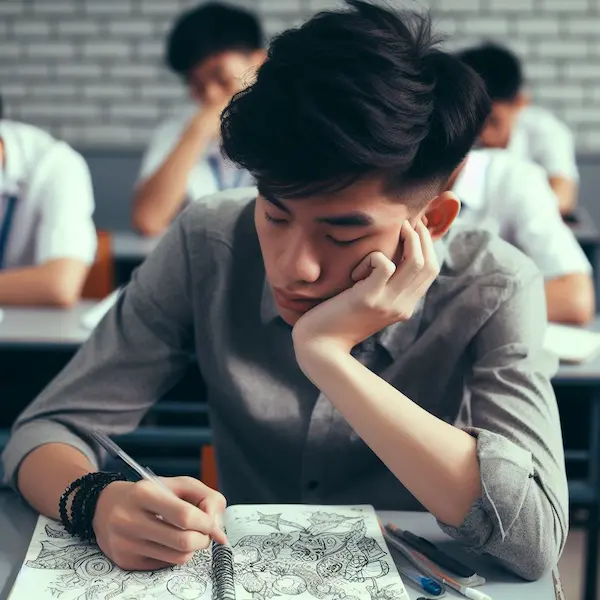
(431,551)
(144,472)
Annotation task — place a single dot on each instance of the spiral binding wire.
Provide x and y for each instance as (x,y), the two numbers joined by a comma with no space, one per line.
(222,568)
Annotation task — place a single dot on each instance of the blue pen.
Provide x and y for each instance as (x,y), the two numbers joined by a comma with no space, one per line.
(425,583)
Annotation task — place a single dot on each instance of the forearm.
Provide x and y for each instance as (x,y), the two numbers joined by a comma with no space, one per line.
(159,198)
(47,471)
(570,299)
(566,193)
(435,461)
(55,283)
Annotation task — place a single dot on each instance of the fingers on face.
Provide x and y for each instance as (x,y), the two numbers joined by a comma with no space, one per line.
(419,261)
(375,265)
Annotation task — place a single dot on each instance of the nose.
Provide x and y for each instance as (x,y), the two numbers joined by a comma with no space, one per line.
(299,262)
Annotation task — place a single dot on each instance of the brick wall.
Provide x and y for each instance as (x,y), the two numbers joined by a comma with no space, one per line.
(91,71)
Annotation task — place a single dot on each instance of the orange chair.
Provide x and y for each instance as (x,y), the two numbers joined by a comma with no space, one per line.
(208,467)
(101,278)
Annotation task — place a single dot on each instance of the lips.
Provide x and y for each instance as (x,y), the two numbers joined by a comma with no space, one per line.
(296,303)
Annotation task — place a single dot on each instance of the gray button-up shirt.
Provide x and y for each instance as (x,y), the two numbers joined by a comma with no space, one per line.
(471,355)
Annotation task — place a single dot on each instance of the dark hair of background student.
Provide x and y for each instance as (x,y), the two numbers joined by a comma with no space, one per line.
(210,29)
(350,93)
(499,68)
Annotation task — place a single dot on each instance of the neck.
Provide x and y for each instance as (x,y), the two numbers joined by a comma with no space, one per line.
(2,154)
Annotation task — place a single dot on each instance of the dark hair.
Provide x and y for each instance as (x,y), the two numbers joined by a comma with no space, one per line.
(209,29)
(354,92)
(499,68)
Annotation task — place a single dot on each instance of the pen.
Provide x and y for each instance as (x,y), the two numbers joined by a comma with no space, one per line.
(425,583)
(143,472)
(412,556)
(431,551)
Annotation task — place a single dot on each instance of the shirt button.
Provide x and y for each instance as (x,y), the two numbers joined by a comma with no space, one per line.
(312,485)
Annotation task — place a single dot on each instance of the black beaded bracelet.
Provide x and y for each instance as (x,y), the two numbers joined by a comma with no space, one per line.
(86,492)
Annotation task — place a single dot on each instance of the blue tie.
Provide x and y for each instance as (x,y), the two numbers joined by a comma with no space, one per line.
(11,203)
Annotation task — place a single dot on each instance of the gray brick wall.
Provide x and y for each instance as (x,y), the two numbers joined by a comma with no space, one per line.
(90,71)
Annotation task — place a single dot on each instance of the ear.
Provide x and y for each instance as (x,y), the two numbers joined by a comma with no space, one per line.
(258,57)
(522,100)
(440,214)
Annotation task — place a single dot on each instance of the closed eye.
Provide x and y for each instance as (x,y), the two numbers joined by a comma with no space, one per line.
(273,220)
(342,242)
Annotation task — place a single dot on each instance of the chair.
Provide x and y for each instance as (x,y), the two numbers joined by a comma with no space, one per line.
(100,279)
(208,467)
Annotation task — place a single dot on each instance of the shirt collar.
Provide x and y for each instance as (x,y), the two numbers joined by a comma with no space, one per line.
(395,338)
(469,186)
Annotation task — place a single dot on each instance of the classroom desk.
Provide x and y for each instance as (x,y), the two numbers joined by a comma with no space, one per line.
(587,492)
(44,328)
(17,522)
(128,245)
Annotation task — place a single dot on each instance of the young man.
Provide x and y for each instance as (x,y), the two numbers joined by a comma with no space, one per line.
(511,197)
(340,368)
(47,235)
(528,131)
(215,49)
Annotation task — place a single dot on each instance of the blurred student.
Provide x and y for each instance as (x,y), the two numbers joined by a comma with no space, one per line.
(528,131)
(215,49)
(511,197)
(47,235)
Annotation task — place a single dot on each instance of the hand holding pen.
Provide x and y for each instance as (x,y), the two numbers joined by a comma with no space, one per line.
(126,524)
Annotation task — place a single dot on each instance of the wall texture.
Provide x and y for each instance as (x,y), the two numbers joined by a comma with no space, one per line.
(91,72)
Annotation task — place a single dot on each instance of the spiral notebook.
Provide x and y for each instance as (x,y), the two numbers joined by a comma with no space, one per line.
(277,551)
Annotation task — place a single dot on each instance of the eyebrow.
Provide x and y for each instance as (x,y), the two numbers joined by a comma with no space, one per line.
(352,219)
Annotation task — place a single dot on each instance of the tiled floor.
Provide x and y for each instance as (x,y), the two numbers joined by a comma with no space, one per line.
(571,566)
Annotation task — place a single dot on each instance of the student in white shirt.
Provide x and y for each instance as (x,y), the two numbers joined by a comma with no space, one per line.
(528,131)
(512,198)
(47,235)
(215,48)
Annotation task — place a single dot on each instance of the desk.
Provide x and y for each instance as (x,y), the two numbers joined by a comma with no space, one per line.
(587,492)
(127,245)
(44,328)
(17,522)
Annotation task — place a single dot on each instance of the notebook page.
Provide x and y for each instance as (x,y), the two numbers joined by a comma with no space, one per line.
(93,316)
(310,552)
(571,344)
(58,565)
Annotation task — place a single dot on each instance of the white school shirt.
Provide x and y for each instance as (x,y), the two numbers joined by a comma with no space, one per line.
(51,182)
(542,138)
(212,172)
(512,198)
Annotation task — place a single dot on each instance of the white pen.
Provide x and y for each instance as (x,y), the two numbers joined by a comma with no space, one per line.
(143,472)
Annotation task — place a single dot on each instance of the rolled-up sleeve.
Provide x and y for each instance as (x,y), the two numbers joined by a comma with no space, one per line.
(522,516)
(138,351)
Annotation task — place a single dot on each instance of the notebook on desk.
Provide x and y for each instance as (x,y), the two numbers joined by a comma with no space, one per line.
(279,551)
(571,344)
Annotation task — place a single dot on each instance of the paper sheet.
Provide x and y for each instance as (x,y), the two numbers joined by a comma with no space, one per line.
(280,552)
(571,344)
(92,317)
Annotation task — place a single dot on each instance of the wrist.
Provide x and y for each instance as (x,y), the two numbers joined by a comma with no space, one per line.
(78,504)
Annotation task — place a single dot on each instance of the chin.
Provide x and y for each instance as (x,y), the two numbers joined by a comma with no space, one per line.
(291,317)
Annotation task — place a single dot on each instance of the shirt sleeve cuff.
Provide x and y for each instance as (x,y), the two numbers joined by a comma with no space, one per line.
(30,436)
(506,475)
